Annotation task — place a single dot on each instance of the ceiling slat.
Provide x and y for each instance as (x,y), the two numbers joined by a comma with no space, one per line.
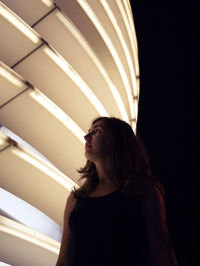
(18,38)
(30,11)
(10,84)
(71,44)
(31,184)
(62,90)
(39,127)
(26,245)
(26,214)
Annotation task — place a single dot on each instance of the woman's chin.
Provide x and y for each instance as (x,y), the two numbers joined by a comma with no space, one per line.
(87,155)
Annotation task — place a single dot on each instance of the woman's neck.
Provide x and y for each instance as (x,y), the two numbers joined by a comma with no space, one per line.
(105,181)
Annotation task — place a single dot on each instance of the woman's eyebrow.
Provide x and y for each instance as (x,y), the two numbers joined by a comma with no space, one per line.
(95,127)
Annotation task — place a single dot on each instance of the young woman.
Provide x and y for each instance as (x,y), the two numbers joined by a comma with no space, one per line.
(117,217)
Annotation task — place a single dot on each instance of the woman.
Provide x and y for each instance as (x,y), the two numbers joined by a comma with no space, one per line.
(117,217)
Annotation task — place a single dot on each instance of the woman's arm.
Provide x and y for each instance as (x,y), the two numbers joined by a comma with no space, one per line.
(63,257)
(160,249)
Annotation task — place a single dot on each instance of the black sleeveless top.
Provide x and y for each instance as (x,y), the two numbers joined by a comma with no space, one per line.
(108,231)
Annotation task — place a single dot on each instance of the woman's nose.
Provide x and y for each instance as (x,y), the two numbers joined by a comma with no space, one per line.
(88,136)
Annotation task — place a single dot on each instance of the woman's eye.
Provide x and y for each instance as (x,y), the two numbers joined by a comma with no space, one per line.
(95,131)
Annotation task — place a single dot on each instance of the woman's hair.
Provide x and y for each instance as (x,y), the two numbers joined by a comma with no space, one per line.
(129,164)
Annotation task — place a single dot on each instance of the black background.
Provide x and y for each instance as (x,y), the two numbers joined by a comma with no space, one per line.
(166,120)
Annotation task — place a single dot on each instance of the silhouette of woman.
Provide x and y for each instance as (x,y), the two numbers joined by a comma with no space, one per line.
(117,216)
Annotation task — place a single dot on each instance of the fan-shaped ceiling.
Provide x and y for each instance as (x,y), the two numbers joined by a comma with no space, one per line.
(63,63)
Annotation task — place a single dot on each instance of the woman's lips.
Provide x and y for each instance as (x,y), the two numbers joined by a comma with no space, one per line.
(87,146)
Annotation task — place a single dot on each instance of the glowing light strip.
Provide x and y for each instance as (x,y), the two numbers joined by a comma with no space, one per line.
(122,40)
(18,23)
(92,55)
(40,164)
(130,34)
(25,213)
(112,50)
(136,108)
(47,3)
(23,143)
(4,264)
(130,18)
(6,74)
(3,139)
(133,125)
(20,231)
(131,22)
(58,113)
(138,86)
(78,81)
(2,142)
(96,61)
(127,24)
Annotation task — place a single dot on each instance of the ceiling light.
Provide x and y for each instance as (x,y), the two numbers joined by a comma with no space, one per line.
(131,21)
(4,264)
(113,52)
(20,231)
(58,113)
(132,36)
(48,3)
(18,23)
(6,74)
(44,167)
(3,139)
(124,45)
(74,31)
(77,80)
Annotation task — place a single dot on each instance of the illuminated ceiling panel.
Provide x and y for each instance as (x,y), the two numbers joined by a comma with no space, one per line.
(90,30)
(67,90)
(11,85)
(76,60)
(29,176)
(30,11)
(105,16)
(72,45)
(120,21)
(112,50)
(29,125)
(4,264)
(20,211)
(124,7)
(15,31)
(3,141)
(37,124)
(127,59)
(24,246)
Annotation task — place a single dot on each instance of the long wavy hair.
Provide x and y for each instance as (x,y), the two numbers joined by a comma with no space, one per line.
(129,162)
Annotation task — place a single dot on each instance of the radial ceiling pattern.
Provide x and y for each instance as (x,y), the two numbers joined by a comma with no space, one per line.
(63,64)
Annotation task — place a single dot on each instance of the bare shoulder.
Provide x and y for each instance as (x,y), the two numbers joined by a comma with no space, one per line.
(71,201)
(63,258)
(71,198)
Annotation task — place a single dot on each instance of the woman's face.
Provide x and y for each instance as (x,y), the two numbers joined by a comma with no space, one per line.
(99,142)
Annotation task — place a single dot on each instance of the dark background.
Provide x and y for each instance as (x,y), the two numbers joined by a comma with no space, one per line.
(166,120)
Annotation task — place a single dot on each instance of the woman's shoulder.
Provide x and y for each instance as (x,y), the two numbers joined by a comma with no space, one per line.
(71,198)
(71,201)
(153,187)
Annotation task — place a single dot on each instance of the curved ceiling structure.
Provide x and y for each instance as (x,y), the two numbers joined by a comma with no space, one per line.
(62,64)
